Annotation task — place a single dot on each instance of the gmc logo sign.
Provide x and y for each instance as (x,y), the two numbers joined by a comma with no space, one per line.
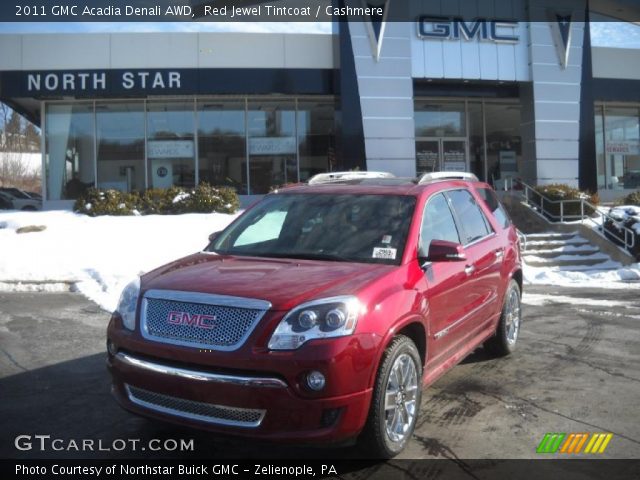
(195,320)
(447,28)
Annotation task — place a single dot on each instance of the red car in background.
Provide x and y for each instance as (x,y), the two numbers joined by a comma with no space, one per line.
(321,312)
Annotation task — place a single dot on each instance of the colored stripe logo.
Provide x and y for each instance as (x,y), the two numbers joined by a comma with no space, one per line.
(573,443)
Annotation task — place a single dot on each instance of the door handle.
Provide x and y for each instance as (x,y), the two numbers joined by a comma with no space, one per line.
(499,253)
(469,269)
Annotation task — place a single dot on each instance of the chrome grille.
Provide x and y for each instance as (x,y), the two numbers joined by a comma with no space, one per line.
(206,412)
(231,319)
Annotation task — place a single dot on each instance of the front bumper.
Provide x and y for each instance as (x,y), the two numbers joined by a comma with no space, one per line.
(250,391)
(259,406)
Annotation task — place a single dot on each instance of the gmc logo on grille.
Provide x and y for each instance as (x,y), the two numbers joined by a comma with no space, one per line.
(195,320)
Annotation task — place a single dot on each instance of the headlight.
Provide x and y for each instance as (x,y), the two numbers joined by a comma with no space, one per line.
(127,303)
(329,317)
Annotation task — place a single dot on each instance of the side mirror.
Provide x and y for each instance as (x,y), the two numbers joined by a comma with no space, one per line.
(442,251)
(213,236)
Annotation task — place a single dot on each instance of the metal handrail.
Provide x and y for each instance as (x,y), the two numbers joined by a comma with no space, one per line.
(629,235)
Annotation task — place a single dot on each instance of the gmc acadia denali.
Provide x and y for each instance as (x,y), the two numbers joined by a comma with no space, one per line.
(320,313)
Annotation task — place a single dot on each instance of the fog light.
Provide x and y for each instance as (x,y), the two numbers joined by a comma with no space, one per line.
(315,381)
(111,348)
(330,416)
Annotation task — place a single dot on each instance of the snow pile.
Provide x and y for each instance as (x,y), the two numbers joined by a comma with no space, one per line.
(180,197)
(97,254)
(597,271)
(626,214)
(607,274)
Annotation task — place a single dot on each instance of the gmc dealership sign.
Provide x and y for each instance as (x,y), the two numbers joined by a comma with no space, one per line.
(455,28)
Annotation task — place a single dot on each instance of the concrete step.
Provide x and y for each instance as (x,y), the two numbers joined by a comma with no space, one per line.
(557,246)
(565,251)
(542,235)
(598,267)
(602,260)
(585,250)
(554,236)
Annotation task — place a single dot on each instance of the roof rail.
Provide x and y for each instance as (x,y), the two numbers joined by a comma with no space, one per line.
(329,177)
(430,177)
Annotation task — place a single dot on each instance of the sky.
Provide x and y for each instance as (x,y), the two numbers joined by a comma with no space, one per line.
(87,27)
(604,34)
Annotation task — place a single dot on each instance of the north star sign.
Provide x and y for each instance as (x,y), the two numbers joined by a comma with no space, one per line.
(98,81)
(455,28)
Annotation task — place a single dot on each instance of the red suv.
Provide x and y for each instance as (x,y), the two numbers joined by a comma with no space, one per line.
(322,311)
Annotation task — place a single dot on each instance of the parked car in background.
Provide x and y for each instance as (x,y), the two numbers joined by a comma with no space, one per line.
(34,195)
(320,313)
(5,202)
(20,199)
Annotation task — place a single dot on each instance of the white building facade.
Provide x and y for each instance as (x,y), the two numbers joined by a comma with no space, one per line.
(465,85)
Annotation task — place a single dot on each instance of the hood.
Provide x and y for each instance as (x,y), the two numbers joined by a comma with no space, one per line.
(283,282)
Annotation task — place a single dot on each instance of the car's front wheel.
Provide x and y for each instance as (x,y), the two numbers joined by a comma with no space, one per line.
(396,399)
(506,336)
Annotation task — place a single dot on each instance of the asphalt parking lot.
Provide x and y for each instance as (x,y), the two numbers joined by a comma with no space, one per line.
(577,369)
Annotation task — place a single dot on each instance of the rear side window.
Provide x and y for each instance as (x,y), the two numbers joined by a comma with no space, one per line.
(490,199)
(472,221)
(438,222)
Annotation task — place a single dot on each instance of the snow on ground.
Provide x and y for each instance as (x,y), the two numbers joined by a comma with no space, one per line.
(100,255)
(588,276)
(624,213)
(606,274)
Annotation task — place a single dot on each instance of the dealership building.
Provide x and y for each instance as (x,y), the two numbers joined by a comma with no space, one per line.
(450,90)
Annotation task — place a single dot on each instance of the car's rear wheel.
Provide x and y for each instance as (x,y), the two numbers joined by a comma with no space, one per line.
(396,399)
(506,336)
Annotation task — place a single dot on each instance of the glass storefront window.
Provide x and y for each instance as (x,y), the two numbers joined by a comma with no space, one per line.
(503,141)
(315,137)
(476,140)
(170,144)
(622,146)
(120,145)
(250,144)
(441,141)
(480,136)
(439,119)
(272,145)
(70,167)
(222,143)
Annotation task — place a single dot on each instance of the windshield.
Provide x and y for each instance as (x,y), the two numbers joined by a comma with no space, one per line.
(359,228)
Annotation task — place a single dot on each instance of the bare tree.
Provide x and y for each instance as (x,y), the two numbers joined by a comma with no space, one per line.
(5,113)
(17,139)
(12,168)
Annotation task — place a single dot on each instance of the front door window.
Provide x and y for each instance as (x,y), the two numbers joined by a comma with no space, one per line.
(441,154)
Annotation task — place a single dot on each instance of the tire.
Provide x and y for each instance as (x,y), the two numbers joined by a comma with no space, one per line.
(505,339)
(396,400)
(29,208)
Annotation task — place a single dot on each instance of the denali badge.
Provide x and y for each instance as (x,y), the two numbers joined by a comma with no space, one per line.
(195,320)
